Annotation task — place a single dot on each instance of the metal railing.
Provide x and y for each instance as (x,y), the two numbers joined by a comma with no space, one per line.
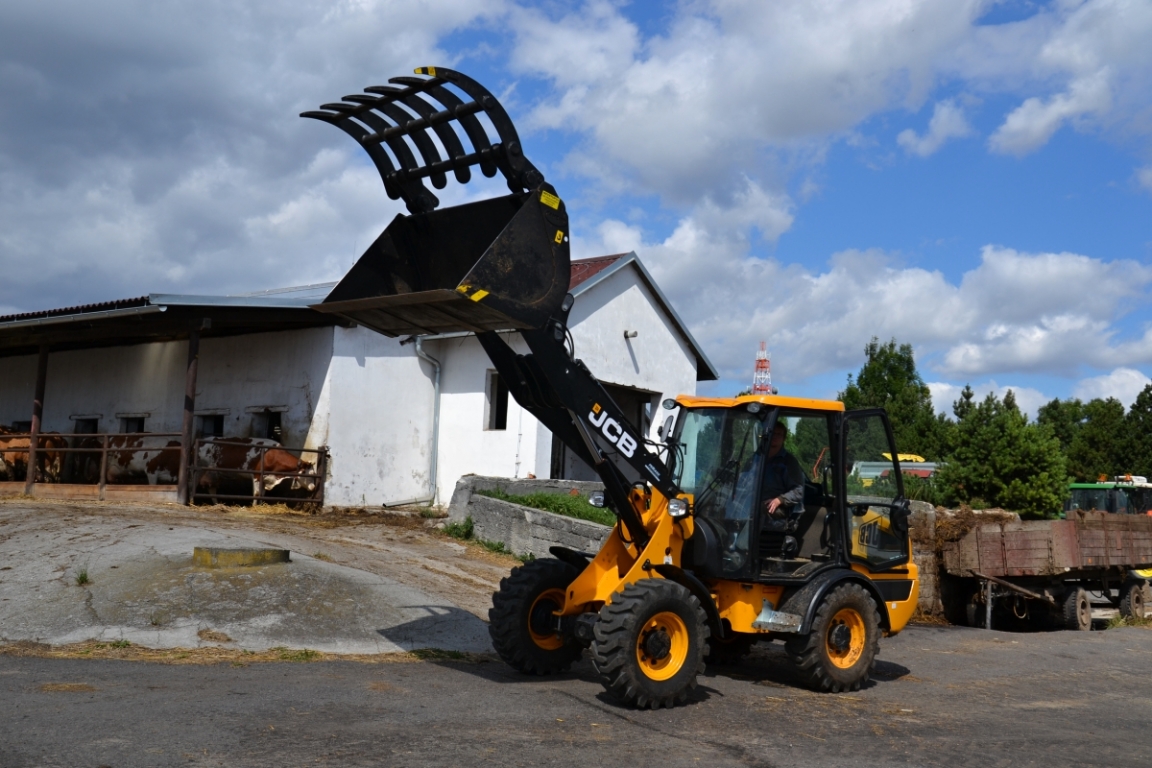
(54,466)
(258,474)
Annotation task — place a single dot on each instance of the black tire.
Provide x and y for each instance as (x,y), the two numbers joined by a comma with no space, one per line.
(1132,600)
(649,643)
(731,651)
(1077,610)
(837,654)
(526,597)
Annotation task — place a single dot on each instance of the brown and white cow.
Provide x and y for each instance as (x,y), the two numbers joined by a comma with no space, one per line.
(132,460)
(242,456)
(14,455)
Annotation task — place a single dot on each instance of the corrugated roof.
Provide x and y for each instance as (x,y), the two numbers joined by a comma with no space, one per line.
(585,269)
(104,306)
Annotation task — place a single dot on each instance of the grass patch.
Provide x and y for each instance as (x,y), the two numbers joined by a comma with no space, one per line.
(1118,621)
(322,556)
(288,654)
(462,531)
(560,504)
(120,644)
(82,577)
(438,654)
(432,513)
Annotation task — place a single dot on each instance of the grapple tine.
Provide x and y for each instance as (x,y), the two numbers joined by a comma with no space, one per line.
(500,263)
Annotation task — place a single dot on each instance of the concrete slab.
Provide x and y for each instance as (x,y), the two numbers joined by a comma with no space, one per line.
(66,578)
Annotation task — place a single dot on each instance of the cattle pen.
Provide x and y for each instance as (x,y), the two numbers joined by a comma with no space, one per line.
(153,466)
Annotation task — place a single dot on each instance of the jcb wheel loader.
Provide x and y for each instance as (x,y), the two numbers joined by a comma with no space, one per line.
(709,554)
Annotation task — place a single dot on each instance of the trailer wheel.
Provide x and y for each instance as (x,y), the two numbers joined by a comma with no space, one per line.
(837,654)
(1077,610)
(520,616)
(1132,600)
(649,644)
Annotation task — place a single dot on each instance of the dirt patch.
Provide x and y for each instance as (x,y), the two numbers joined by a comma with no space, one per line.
(955,525)
(212,636)
(213,655)
(67,688)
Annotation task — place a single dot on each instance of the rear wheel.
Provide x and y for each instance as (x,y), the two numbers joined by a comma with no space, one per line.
(521,620)
(837,654)
(1077,610)
(1132,600)
(649,644)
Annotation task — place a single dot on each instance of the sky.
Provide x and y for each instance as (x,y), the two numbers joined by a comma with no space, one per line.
(970,177)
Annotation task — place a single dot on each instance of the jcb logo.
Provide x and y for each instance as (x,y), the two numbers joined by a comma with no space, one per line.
(613,430)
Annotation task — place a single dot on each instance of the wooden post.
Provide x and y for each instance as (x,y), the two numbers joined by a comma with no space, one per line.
(37,414)
(184,491)
(103,468)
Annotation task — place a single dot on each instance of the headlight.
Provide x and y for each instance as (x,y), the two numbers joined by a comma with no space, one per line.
(596,498)
(677,507)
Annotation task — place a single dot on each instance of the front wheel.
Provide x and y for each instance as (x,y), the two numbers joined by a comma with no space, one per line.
(837,654)
(648,644)
(521,620)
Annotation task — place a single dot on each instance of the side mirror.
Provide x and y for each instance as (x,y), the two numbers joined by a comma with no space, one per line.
(859,510)
(901,511)
(665,429)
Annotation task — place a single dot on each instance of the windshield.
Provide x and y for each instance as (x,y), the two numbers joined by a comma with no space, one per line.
(719,461)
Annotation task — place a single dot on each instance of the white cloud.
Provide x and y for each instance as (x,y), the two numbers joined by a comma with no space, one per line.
(1031,124)
(1124,384)
(1144,176)
(948,122)
(1013,313)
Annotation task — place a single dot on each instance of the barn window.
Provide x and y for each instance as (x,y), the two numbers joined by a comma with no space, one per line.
(268,424)
(130,424)
(210,425)
(85,426)
(496,405)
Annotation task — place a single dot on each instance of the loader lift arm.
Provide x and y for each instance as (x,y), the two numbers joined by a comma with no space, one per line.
(493,265)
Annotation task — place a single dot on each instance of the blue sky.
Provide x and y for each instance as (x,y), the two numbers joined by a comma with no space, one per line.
(973,177)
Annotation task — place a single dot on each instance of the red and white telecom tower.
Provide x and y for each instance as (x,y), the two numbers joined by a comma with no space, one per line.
(762,378)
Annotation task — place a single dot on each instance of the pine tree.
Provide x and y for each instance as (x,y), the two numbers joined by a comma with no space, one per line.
(1138,435)
(999,459)
(889,380)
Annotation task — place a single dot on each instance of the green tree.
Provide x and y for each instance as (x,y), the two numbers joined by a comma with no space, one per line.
(1138,435)
(1099,445)
(1064,417)
(1000,459)
(889,380)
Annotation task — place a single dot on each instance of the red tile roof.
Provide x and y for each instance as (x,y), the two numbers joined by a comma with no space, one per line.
(583,269)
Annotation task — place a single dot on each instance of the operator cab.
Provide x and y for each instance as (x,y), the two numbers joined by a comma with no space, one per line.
(830,461)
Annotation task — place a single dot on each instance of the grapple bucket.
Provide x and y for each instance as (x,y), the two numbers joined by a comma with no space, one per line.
(500,263)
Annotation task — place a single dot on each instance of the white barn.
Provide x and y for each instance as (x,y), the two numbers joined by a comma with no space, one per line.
(270,367)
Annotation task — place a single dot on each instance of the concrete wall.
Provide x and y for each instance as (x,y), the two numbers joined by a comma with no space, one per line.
(521,529)
(377,420)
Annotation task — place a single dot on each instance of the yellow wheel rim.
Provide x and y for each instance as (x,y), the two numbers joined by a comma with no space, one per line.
(662,646)
(844,639)
(549,600)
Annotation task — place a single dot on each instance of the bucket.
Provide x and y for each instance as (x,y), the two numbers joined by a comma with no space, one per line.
(496,264)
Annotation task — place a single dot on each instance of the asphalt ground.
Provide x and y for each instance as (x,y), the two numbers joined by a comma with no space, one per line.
(942,696)
(235,693)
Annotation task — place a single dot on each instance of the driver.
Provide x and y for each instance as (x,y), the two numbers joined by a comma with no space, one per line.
(783,486)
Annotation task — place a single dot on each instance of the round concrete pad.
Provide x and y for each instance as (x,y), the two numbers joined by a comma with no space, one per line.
(219,557)
(143,586)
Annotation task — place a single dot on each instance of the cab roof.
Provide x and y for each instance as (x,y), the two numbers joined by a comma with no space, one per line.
(772,401)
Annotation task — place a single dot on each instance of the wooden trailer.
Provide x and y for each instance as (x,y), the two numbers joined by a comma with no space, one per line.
(1046,572)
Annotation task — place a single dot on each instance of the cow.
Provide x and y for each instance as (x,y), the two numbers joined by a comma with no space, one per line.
(14,455)
(240,458)
(131,461)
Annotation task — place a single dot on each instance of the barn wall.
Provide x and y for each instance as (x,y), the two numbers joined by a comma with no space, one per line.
(466,447)
(141,379)
(282,371)
(17,387)
(378,420)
